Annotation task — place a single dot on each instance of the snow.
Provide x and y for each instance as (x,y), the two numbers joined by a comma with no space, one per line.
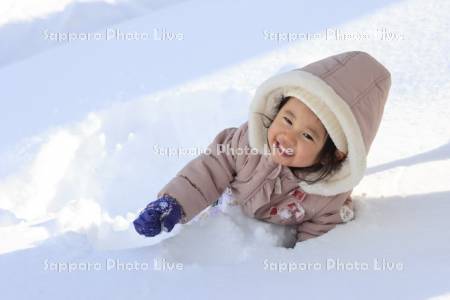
(92,130)
(25,22)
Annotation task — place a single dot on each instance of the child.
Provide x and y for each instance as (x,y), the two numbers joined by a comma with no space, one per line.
(297,159)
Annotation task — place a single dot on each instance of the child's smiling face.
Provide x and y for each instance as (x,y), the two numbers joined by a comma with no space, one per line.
(296,135)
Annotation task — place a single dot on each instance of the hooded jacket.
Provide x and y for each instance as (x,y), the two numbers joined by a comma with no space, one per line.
(347,92)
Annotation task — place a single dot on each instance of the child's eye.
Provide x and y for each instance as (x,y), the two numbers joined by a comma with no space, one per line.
(287,120)
(308,136)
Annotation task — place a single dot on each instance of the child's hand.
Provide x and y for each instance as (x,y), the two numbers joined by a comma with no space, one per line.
(164,212)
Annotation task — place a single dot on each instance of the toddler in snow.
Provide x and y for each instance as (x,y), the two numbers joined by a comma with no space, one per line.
(296,160)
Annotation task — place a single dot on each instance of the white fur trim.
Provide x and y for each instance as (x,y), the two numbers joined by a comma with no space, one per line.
(308,86)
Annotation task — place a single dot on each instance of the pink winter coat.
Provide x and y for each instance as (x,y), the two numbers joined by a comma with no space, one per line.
(271,192)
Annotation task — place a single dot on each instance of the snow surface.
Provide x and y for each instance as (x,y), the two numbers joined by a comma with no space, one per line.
(86,125)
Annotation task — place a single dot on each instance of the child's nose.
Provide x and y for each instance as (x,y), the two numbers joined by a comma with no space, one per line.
(288,140)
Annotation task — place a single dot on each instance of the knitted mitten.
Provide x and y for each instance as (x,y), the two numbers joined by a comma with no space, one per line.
(163,214)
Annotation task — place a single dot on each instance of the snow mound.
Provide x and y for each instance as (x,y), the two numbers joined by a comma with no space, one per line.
(223,234)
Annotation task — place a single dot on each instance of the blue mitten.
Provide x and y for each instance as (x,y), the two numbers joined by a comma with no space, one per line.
(164,212)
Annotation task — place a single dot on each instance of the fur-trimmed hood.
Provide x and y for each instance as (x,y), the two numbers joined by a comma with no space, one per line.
(348,92)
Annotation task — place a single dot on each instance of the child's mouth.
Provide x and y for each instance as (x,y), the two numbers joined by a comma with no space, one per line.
(282,151)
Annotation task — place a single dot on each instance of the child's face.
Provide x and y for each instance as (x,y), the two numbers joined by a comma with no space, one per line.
(296,135)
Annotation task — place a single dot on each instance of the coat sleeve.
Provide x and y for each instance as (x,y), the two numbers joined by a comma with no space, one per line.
(337,211)
(201,182)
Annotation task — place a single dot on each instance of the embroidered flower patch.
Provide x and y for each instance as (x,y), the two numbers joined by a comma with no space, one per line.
(346,213)
(299,194)
(292,209)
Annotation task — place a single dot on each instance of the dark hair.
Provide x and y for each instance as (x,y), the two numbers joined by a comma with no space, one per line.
(328,162)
